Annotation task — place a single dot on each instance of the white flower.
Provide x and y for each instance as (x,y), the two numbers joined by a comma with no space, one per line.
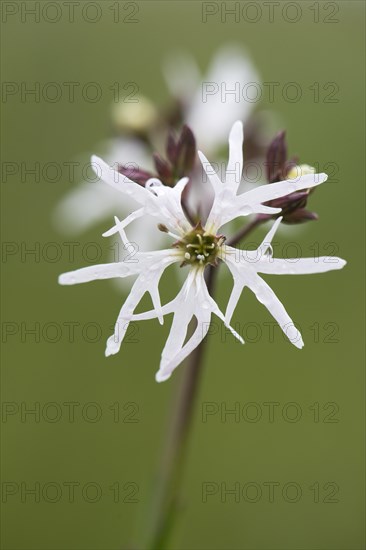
(195,248)
(214,101)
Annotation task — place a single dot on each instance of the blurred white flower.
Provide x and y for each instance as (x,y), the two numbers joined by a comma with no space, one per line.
(196,248)
(214,101)
(92,203)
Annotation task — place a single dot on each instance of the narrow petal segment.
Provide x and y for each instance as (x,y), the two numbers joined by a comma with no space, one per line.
(245,275)
(149,266)
(245,265)
(147,281)
(228,206)
(299,266)
(193,300)
(157,200)
(95,272)
(268,298)
(119,181)
(271,191)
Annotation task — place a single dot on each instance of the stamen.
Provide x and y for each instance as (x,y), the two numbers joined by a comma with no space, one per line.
(200,247)
(164,229)
(177,237)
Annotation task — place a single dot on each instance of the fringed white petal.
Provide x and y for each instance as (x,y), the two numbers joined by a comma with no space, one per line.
(193,300)
(244,275)
(90,202)
(245,266)
(119,181)
(299,266)
(271,191)
(225,207)
(95,272)
(147,281)
(268,298)
(167,205)
(228,206)
(211,173)
(157,200)
(254,256)
(120,225)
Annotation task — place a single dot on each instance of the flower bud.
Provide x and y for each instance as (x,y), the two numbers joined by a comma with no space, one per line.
(136,117)
(182,152)
(280,168)
(276,158)
(134,174)
(299,170)
(300,215)
(163,169)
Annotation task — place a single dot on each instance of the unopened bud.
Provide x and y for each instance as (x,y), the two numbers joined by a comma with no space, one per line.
(299,170)
(163,169)
(186,151)
(300,215)
(182,152)
(135,174)
(135,117)
(276,158)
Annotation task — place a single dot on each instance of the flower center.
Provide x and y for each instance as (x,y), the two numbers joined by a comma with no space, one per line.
(199,247)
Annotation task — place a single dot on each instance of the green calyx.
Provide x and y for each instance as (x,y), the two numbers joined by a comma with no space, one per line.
(199,247)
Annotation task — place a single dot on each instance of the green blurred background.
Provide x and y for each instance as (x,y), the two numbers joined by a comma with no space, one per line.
(120,449)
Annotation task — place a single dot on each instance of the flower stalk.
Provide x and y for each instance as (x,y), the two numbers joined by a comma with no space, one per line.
(166,496)
(166,503)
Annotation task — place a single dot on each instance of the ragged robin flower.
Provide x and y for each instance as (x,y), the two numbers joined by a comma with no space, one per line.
(194,247)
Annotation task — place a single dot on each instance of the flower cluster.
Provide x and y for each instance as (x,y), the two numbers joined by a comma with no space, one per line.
(197,242)
(141,126)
